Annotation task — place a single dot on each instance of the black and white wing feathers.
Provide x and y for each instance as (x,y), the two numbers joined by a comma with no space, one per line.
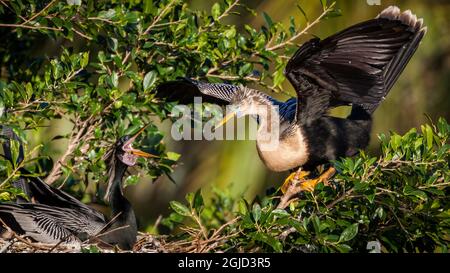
(358,65)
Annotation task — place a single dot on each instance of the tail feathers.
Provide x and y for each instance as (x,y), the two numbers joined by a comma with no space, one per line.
(7,216)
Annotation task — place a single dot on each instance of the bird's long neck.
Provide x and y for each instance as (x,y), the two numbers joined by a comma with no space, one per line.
(269,120)
(118,202)
(123,230)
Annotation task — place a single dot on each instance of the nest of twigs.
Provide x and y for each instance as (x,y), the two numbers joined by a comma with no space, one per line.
(146,243)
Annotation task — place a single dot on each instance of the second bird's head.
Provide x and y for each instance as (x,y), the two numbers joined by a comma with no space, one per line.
(122,152)
(126,153)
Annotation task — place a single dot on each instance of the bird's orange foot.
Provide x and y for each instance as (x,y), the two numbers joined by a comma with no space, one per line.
(310,184)
(294,185)
(292,178)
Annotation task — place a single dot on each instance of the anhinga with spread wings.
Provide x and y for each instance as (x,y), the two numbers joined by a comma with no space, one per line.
(54,216)
(357,66)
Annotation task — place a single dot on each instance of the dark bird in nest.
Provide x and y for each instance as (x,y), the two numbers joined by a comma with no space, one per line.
(357,66)
(53,216)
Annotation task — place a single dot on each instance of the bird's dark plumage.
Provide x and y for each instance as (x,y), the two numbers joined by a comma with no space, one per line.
(55,216)
(357,66)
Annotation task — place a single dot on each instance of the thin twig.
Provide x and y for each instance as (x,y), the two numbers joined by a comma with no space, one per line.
(101,19)
(82,34)
(74,141)
(199,223)
(156,20)
(225,13)
(228,77)
(60,242)
(170,23)
(286,233)
(342,197)
(8,7)
(40,12)
(29,27)
(304,31)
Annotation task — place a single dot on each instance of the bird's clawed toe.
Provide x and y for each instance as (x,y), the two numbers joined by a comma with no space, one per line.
(297,182)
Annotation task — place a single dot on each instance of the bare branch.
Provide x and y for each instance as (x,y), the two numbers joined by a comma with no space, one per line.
(29,27)
(159,17)
(304,31)
(40,12)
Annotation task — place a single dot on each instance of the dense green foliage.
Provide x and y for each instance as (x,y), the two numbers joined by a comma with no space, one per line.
(95,64)
(400,199)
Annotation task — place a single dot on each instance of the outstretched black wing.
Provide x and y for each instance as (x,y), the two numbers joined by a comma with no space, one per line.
(358,65)
(184,90)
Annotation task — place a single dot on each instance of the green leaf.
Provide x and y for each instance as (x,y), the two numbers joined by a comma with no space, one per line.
(180,208)
(268,20)
(109,14)
(245,69)
(343,248)
(115,79)
(190,198)
(276,245)
(148,6)
(316,223)
(334,13)
(29,91)
(131,180)
(256,211)
(5,196)
(380,213)
(173,156)
(215,11)
(396,141)
(243,207)
(408,190)
(84,59)
(149,79)
(230,33)
(278,77)
(90,249)
(429,135)
(118,104)
(198,200)
(349,233)
(280,213)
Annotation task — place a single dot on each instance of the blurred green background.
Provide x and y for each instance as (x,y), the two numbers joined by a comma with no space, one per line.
(234,165)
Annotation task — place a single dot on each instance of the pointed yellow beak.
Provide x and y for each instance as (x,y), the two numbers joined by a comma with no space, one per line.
(142,153)
(225,120)
(136,151)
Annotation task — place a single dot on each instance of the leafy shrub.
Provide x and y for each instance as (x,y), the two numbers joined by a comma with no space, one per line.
(399,201)
(95,65)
